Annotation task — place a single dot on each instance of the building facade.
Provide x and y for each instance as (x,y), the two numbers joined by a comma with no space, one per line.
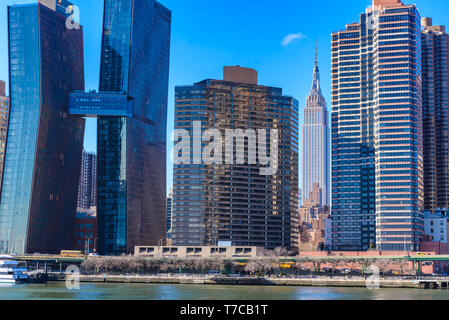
(315,153)
(85,231)
(131,111)
(436,226)
(44,143)
(4,116)
(312,223)
(87,190)
(169,210)
(231,199)
(203,252)
(435,46)
(377,147)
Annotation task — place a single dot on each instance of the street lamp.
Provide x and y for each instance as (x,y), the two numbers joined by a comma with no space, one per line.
(95,244)
(87,246)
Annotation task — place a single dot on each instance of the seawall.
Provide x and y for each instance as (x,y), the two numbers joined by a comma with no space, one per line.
(268,281)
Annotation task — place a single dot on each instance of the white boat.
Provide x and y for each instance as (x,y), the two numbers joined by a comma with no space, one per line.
(10,271)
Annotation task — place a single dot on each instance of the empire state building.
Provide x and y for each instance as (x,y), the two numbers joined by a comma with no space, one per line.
(315,157)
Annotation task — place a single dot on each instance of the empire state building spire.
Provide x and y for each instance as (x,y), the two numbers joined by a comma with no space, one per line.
(316,72)
(315,98)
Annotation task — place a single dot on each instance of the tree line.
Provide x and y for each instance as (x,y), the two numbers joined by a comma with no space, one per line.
(264,266)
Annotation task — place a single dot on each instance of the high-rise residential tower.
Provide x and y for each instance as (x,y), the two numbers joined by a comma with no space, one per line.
(435,46)
(231,200)
(315,154)
(44,143)
(377,149)
(87,190)
(4,116)
(131,108)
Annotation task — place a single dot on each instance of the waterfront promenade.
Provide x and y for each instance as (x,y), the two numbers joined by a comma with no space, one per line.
(301,281)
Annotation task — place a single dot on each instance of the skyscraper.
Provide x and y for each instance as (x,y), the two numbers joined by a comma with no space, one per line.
(44,143)
(4,116)
(315,156)
(131,108)
(233,202)
(87,190)
(169,209)
(377,162)
(435,46)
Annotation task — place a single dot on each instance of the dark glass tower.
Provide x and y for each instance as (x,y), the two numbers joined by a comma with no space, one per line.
(132,149)
(44,143)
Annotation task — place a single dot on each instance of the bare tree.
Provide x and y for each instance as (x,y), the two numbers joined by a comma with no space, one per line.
(281,252)
(253,268)
(383,265)
(335,263)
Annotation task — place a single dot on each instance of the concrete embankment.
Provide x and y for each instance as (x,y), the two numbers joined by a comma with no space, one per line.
(304,282)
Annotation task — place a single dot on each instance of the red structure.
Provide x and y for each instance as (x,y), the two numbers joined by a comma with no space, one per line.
(85,231)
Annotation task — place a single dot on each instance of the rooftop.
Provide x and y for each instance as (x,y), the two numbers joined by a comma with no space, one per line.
(240,75)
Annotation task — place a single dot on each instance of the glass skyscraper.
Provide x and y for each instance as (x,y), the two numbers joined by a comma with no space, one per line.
(234,203)
(44,142)
(131,108)
(169,210)
(377,148)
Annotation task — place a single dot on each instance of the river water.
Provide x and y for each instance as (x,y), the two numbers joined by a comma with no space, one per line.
(100,291)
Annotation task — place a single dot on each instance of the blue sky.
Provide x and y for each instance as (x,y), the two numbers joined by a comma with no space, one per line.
(208,34)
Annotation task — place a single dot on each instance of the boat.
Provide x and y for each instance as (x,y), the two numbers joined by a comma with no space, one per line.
(10,272)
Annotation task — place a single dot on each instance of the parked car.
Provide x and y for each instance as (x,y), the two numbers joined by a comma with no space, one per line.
(214,272)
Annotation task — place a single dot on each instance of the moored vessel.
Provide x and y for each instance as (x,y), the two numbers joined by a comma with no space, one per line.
(10,272)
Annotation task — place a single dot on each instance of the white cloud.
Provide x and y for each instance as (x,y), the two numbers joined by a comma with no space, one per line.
(291,38)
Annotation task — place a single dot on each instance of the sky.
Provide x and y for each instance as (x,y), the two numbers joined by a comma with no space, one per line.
(277,38)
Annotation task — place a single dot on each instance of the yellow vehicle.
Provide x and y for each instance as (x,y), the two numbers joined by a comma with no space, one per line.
(287,265)
(422,254)
(71,254)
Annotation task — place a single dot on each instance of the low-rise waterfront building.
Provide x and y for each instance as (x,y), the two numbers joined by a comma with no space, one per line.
(199,252)
(85,230)
(436,226)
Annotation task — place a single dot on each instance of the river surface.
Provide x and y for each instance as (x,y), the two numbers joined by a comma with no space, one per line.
(100,291)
